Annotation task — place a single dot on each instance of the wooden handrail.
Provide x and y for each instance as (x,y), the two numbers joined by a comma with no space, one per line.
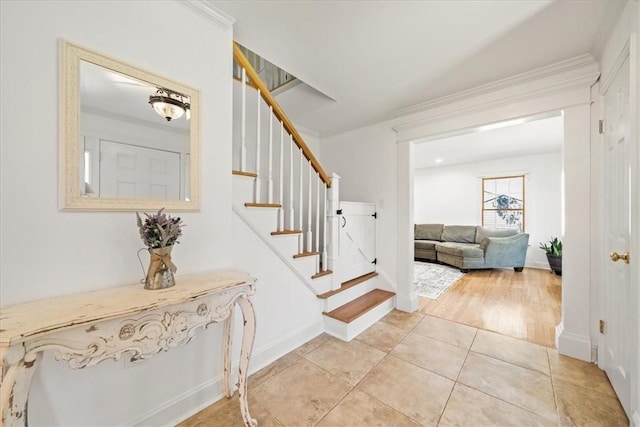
(279,112)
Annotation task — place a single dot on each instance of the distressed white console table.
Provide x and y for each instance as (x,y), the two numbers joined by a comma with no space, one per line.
(85,329)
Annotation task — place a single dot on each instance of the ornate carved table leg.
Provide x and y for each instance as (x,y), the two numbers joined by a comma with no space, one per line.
(14,391)
(248,335)
(228,334)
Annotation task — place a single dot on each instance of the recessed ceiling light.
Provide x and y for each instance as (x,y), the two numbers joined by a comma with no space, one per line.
(438,160)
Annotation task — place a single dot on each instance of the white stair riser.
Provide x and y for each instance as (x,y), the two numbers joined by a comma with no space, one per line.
(306,265)
(350,294)
(287,244)
(322,284)
(348,331)
(242,187)
(265,219)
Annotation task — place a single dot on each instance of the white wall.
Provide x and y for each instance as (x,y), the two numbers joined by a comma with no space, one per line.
(452,195)
(365,160)
(288,313)
(562,85)
(47,252)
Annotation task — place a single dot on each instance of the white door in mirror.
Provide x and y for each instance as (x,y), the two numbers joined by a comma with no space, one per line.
(133,172)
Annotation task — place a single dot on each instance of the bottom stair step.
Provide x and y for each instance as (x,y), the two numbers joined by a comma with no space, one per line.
(359,306)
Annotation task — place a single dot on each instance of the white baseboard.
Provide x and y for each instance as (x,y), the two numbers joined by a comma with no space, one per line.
(192,401)
(635,419)
(573,345)
(538,265)
(406,303)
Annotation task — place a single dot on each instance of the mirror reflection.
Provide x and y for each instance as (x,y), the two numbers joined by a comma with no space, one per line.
(134,137)
(129,137)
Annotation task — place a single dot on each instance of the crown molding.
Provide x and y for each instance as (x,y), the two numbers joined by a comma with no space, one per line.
(580,71)
(480,103)
(573,64)
(211,13)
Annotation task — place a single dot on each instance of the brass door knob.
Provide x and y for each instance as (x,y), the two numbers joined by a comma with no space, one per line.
(615,256)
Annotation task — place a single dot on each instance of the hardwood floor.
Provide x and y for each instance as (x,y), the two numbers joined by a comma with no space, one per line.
(523,305)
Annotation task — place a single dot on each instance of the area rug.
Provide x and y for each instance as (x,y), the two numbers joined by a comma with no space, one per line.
(432,280)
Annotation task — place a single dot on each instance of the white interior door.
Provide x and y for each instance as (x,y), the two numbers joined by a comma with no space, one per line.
(357,239)
(129,171)
(616,351)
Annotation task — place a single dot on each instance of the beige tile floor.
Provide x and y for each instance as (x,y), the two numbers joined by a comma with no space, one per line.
(414,369)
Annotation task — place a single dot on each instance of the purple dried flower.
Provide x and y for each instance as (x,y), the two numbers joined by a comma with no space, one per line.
(159,230)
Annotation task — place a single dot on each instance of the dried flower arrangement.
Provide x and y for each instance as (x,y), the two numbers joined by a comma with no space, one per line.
(159,230)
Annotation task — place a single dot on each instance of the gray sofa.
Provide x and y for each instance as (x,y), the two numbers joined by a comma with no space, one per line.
(469,247)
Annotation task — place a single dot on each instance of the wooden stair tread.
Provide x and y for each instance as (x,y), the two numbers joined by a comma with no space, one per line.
(304,254)
(322,273)
(241,173)
(282,232)
(263,205)
(352,310)
(348,284)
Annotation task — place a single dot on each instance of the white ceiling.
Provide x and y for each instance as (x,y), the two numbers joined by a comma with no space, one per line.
(376,57)
(534,137)
(112,93)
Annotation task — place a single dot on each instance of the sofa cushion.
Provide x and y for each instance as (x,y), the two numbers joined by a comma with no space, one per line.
(464,250)
(484,232)
(459,233)
(428,231)
(425,244)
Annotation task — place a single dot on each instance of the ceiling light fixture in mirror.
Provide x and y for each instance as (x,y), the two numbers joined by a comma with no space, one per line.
(122,147)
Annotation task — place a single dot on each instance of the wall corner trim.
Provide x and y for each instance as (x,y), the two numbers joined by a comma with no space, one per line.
(210,13)
(573,345)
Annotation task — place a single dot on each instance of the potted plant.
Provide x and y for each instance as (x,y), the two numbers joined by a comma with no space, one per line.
(159,232)
(553,249)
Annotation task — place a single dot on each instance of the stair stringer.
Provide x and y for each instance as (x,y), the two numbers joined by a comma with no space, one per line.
(316,286)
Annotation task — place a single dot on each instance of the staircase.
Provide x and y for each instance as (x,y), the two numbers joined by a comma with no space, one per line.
(281,192)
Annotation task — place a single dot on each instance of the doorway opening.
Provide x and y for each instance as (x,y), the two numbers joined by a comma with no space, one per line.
(507,177)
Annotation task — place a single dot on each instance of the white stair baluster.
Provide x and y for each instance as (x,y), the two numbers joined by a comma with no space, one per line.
(270,177)
(309,232)
(256,198)
(243,123)
(317,247)
(300,202)
(281,198)
(292,215)
(324,230)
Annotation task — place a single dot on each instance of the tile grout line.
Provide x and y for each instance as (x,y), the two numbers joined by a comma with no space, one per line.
(499,398)
(353,387)
(386,404)
(553,389)
(455,382)
(388,354)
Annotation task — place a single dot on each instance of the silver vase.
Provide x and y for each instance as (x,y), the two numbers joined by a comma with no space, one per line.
(161,269)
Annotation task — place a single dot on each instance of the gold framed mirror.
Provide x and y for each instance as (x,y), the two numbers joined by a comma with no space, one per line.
(129,138)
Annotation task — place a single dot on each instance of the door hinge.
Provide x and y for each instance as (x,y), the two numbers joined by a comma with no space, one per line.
(375,215)
(602,326)
(339,212)
(375,261)
(602,126)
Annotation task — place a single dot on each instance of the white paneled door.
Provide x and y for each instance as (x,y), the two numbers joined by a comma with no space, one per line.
(357,239)
(616,351)
(130,171)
